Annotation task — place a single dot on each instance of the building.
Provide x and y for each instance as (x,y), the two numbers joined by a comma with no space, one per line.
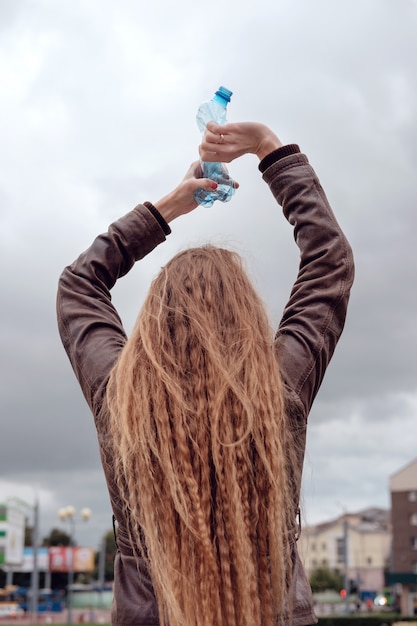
(403,567)
(12,534)
(355,544)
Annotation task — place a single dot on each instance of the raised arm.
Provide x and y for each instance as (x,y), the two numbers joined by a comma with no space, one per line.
(90,327)
(315,314)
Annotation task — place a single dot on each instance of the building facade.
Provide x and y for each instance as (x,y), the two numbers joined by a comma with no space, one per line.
(357,545)
(403,567)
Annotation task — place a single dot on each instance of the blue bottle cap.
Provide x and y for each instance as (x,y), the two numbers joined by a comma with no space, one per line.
(224,93)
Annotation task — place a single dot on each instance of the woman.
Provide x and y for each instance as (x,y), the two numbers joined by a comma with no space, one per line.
(201,414)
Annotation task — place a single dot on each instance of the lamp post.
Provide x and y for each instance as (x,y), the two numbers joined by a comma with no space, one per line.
(346,560)
(68,513)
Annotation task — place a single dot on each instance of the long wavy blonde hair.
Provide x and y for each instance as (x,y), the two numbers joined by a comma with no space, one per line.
(202,447)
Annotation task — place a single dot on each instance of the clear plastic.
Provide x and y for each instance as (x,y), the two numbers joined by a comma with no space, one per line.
(214,110)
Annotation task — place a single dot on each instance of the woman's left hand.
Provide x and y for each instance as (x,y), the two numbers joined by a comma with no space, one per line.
(230,141)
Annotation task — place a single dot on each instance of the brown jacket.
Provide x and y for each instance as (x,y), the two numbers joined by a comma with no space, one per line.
(313,319)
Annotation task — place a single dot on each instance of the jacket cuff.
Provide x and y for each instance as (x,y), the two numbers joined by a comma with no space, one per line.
(276,155)
(163,224)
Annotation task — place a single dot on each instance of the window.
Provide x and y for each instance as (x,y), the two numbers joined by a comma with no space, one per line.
(369,560)
(414,543)
(414,567)
(412,496)
(313,547)
(340,549)
(323,546)
(413,519)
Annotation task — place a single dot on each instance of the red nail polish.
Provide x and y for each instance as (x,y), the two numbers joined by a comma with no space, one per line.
(214,185)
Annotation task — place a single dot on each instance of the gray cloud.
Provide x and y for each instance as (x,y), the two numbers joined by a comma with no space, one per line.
(98,113)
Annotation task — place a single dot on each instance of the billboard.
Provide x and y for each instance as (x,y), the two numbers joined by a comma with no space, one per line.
(12,535)
(42,560)
(61,558)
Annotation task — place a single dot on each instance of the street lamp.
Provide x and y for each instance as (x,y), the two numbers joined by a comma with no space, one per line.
(68,513)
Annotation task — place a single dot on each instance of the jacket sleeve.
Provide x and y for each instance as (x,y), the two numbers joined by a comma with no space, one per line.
(89,325)
(314,316)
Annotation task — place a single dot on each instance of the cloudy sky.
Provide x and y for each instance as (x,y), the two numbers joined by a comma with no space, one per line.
(97,113)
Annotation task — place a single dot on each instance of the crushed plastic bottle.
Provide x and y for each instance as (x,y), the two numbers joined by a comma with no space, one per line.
(214,110)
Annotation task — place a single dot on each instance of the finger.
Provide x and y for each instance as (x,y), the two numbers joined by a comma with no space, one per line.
(207,183)
(207,153)
(211,139)
(230,182)
(221,129)
(214,128)
(194,171)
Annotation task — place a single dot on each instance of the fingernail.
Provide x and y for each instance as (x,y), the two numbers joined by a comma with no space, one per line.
(214,185)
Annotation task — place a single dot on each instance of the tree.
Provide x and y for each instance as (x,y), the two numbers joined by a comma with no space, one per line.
(28,535)
(57,537)
(324,579)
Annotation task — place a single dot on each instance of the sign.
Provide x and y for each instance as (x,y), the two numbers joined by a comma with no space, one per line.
(42,559)
(65,559)
(12,535)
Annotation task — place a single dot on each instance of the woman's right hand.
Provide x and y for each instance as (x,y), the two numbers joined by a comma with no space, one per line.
(181,199)
(230,141)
